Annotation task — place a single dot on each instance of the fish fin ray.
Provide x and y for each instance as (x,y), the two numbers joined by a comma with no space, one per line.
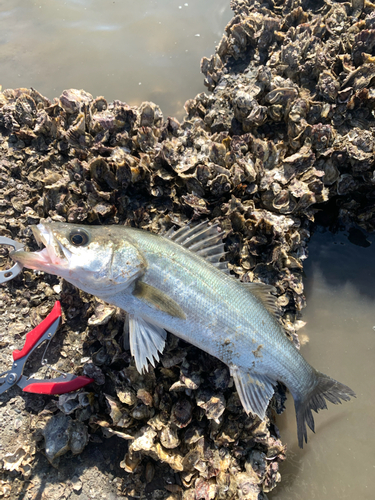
(207,242)
(203,239)
(195,237)
(213,254)
(146,341)
(264,292)
(185,232)
(222,266)
(325,388)
(255,391)
(157,299)
(168,234)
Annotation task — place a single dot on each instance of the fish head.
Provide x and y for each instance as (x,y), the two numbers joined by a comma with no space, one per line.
(100,260)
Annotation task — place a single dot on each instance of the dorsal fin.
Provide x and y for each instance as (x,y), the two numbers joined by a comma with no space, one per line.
(264,294)
(204,240)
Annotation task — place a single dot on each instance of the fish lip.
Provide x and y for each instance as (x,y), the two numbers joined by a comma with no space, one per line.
(55,250)
(52,253)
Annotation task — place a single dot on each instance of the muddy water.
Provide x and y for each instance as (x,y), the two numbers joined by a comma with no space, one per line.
(124,49)
(338,462)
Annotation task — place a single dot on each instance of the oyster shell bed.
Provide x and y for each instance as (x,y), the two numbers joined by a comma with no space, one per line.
(286,132)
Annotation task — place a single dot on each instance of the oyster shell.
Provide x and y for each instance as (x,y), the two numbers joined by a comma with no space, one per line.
(62,434)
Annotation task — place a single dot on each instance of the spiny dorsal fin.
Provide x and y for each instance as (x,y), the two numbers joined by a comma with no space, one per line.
(264,294)
(204,240)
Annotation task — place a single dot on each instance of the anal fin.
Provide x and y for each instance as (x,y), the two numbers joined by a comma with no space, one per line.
(146,341)
(255,391)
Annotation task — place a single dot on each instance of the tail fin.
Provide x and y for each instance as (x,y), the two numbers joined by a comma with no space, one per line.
(325,388)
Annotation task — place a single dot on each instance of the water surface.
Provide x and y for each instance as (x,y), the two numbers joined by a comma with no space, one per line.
(129,50)
(338,462)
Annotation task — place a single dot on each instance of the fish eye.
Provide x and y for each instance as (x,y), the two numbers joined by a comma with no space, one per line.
(78,237)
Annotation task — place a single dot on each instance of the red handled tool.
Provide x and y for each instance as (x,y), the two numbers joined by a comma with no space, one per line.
(60,385)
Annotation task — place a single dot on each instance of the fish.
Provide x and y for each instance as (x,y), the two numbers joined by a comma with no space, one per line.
(178,282)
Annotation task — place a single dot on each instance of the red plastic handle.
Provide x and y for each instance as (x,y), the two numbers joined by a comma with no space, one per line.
(38,332)
(58,387)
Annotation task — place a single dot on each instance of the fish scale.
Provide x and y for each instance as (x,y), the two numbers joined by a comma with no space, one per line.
(186,278)
(177,283)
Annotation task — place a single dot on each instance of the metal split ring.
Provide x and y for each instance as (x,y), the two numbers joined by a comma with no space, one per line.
(9,274)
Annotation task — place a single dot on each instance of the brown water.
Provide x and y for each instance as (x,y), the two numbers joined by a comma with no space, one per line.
(150,50)
(132,50)
(338,462)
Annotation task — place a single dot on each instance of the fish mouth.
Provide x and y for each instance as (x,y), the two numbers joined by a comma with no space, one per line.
(52,257)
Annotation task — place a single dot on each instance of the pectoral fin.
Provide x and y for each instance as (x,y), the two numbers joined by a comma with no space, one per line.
(158,300)
(255,391)
(146,341)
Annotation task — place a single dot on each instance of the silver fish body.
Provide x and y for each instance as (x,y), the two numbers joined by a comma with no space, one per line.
(223,317)
(163,284)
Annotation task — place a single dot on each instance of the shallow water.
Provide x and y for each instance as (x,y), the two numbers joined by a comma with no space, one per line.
(338,462)
(129,50)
